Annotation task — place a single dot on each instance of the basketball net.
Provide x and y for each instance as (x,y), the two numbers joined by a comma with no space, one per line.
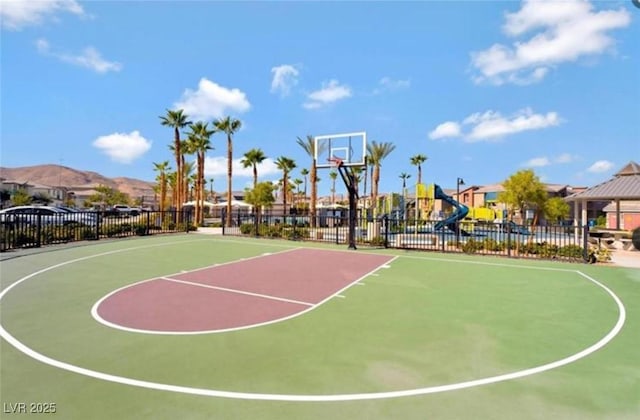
(336,161)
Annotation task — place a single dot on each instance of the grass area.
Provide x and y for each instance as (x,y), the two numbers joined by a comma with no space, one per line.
(427,320)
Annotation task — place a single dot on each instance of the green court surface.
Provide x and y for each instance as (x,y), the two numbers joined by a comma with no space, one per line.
(427,335)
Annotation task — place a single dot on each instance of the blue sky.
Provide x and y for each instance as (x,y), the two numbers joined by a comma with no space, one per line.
(484,89)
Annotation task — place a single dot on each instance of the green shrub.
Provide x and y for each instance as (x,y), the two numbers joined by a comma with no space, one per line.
(140,229)
(248,229)
(490,244)
(571,251)
(597,254)
(378,241)
(472,246)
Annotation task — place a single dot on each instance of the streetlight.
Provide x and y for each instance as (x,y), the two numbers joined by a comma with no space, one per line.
(459,182)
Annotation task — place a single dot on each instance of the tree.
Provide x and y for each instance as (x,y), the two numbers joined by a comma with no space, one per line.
(308,145)
(162,169)
(20,197)
(286,165)
(556,209)
(251,159)
(522,190)
(200,143)
(229,126)
(418,160)
(107,196)
(210,188)
(404,176)
(304,172)
(333,175)
(297,182)
(260,197)
(376,152)
(41,198)
(177,120)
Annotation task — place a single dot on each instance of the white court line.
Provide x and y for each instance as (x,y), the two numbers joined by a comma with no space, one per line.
(240,292)
(340,296)
(310,398)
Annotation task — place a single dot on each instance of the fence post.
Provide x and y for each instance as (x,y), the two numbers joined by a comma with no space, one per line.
(224,220)
(585,243)
(508,227)
(335,223)
(38,230)
(99,216)
(386,230)
(148,228)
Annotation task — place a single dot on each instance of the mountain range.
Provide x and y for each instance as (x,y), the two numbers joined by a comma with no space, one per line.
(57,175)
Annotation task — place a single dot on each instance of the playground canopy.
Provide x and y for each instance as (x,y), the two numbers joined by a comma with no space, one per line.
(234,203)
(193,204)
(624,186)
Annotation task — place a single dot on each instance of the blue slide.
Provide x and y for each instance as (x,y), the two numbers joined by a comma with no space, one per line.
(460,212)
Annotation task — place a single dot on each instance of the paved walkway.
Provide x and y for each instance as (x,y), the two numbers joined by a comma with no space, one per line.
(629,259)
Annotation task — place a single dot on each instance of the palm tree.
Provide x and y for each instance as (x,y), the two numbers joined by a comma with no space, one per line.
(177,120)
(333,175)
(200,143)
(304,172)
(286,165)
(376,152)
(251,159)
(210,188)
(308,145)
(297,182)
(229,126)
(404,176)
(162,169)
(418,160)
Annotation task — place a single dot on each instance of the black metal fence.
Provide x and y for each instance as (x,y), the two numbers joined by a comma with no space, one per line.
(28,230)
(505,239)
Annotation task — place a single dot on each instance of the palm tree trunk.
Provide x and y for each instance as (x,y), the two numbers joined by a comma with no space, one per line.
(285,188)
(314,193)
(177,204)
(419,174)
(255,175)
(229,178)
(375,179)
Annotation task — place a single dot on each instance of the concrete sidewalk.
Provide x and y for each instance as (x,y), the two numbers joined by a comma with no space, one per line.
(630,259)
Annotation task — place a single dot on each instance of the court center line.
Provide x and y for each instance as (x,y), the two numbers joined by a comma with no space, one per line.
(240,292)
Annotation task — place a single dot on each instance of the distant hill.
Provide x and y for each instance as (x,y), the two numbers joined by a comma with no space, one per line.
(57,175)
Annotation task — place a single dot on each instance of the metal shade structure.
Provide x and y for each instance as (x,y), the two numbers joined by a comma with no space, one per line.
(234,203)
(624,186)
(193,204)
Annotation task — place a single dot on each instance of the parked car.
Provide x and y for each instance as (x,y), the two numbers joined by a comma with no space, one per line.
(122,210)
(47,215)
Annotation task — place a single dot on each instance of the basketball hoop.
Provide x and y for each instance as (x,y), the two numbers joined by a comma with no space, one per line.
(335,161)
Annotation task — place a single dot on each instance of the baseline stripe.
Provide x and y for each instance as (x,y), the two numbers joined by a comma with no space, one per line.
(240,292)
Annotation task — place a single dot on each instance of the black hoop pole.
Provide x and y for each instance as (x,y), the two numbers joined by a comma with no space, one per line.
(349,178)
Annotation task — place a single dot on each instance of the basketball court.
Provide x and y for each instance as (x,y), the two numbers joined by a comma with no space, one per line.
(198,326)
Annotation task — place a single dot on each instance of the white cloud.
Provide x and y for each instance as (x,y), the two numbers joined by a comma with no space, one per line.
(492,125)
(386,84)
(89,58)
(329,93)
(565,158)
(211,101)
(217,167)
(537,162)
(545,161)
(566,31)
(600,166)
(16,14)
(123,147)
(284,78)
(446,129)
